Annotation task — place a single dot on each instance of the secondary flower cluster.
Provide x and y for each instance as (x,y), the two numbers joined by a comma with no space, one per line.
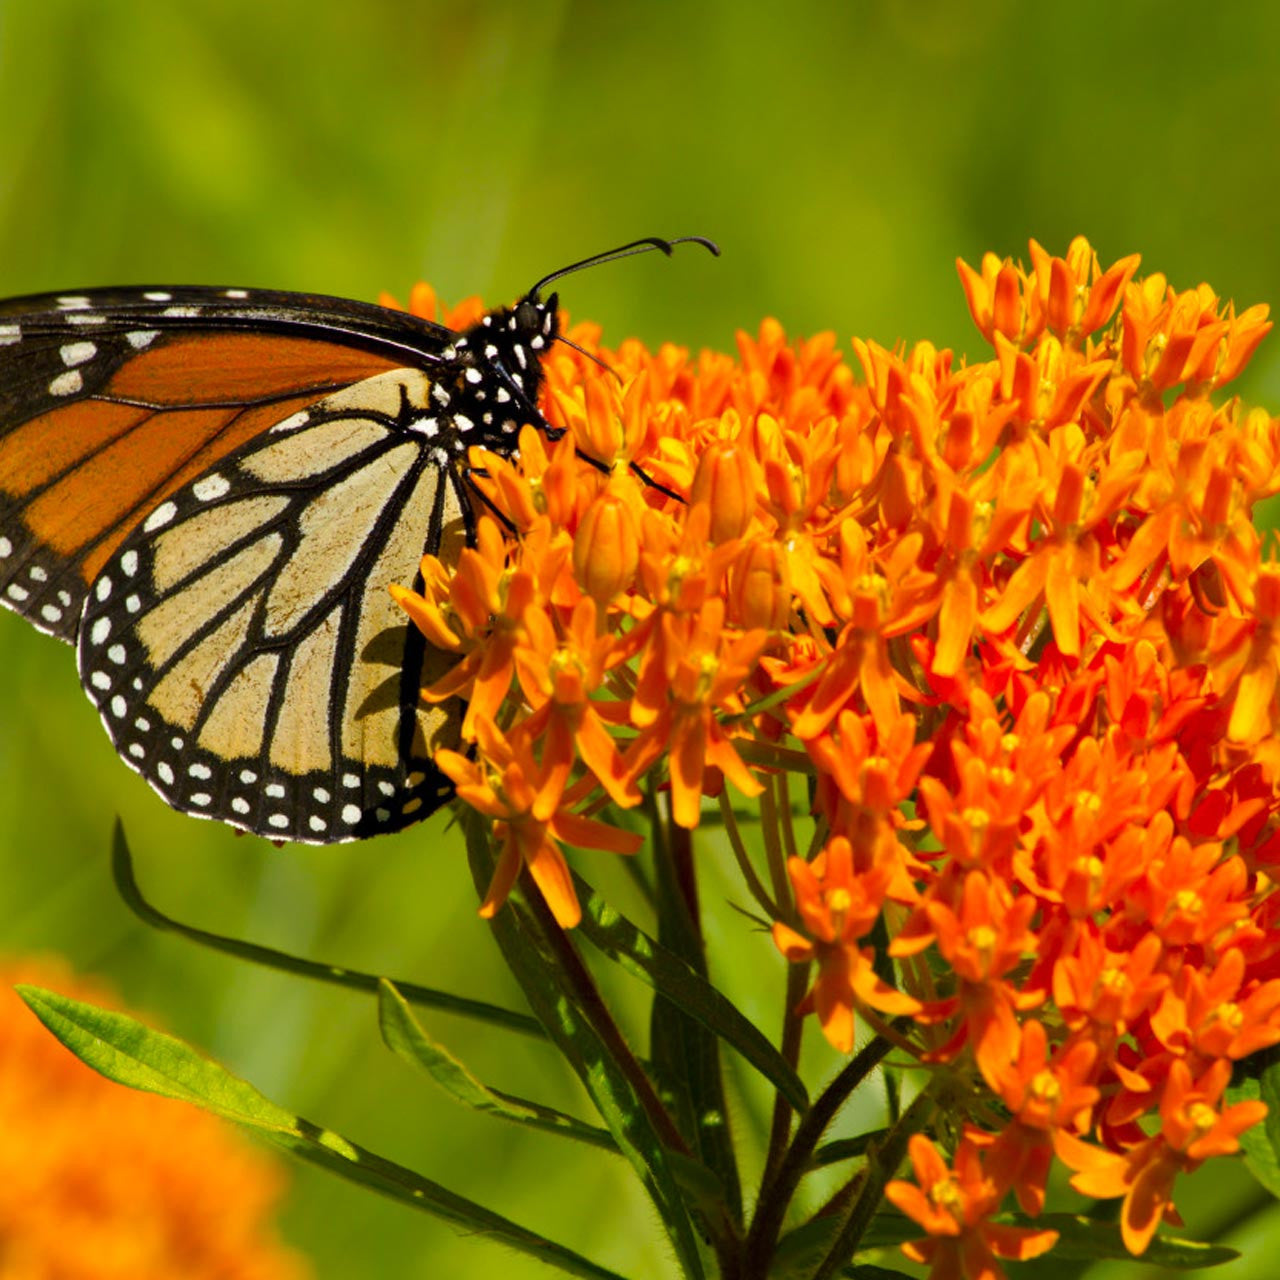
(99,1183)
(1011,623)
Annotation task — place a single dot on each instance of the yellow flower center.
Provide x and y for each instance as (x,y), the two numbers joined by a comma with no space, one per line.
(1230,1014)
(708,667)
(1089,802)
(1203,1117)
(982,938)
(1113,980)
(1188,902)
(946,1195)
(1045,1088)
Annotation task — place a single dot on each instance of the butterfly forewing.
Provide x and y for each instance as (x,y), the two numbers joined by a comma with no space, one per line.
(111,400)
(242,646)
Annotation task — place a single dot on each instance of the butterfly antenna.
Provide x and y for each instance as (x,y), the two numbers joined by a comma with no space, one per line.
(582,351)
(646,245)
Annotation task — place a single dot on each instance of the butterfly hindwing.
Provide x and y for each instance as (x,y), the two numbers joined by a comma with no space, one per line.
(241,643)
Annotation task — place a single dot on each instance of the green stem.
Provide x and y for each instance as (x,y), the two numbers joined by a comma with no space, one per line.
(775,1196)
(792,1034)
(754,884)
(882,1164)
(770,830)
(587,999)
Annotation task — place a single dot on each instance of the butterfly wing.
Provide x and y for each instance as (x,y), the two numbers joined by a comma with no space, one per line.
(112,400)
(242,646)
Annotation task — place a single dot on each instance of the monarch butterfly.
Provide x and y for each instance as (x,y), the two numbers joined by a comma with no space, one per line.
(208,491)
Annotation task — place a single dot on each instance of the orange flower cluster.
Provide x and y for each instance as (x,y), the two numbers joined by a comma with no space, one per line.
(1010,620)
(100,1183)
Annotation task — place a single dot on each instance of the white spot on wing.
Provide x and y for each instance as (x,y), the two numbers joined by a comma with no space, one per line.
(158,297)
(16,592)
(9,334)
(279,820)
(51,613)
(100,630)
(211,487)
(102,588)
(141,338)
(181,313)
(100,680)
(160,517)
(6,548)
(129,562)
(351,814)
(74,353)
(293,421)
(66,384)
(116,654)
(240,805)
(165,774)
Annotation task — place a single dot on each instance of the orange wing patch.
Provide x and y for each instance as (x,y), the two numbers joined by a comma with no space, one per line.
(97,466)
(221,368)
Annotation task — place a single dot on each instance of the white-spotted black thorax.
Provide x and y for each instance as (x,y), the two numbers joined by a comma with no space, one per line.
(489,378)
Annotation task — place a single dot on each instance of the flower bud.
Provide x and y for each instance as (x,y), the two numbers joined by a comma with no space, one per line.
(760,587)
(725,480)
(606,548)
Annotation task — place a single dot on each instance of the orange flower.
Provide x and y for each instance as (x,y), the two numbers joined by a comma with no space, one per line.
(1192,1129)
(838,907)
(1004,622)
(955,1209)
(504,786)
(692,670)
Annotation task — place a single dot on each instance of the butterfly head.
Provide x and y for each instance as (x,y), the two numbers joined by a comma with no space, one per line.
(498,362)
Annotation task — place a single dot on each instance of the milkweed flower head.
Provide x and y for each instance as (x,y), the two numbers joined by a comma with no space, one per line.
(100,1183)
(1001,631)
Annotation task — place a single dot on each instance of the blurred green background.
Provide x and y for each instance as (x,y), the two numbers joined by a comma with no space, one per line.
(842,154)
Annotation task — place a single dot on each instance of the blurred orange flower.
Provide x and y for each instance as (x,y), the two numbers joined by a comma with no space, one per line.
(100,1183)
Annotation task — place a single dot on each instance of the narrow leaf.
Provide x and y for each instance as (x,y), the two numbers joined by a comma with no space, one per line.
(408,1039)
(645,958)
(1082,1237)
(270,958)
(684,1055)
(555,997)
(1079,1237)
(1258,1143)
(124,1050)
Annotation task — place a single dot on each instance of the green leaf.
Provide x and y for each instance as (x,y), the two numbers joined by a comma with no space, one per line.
(1079,1237)
(270,958)
(556,997)
(1082,1237)
(124,1050)
(1259,1143)
(408,1039)
(651,962)
(684,1055)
